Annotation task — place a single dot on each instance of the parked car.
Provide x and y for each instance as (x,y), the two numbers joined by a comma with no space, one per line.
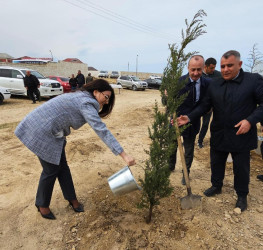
(114,74)
(154,77)
(153,83)
(12,79)
(103,73)
(64,82)
(132,82)
(4,94)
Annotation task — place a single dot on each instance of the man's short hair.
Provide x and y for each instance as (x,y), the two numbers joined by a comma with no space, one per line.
(210,60)
(229,53)
(196,57)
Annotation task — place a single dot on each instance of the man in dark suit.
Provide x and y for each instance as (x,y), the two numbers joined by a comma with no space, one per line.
(237,102)
(195,88)
(260,176)
(81,79)
(32,84)
(209,72)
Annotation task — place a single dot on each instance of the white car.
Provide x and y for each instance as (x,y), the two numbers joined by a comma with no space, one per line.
(4,94)
(12,79)
(103,73)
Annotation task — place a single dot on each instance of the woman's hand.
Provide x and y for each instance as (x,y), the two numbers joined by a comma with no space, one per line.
(128,159)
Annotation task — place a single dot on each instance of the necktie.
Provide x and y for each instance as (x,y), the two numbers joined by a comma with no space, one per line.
(194,91)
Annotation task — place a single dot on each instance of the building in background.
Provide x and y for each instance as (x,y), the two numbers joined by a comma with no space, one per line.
(73,60)
(6,58)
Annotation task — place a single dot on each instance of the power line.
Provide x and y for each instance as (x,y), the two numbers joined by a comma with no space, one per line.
(125,19)
(128,23)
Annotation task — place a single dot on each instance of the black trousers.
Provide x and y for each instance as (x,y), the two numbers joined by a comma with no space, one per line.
(189,146)
(47,180)
(33,94)
(241,169)
(205,124)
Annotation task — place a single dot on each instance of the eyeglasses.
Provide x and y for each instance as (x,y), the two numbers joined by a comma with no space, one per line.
(106,96)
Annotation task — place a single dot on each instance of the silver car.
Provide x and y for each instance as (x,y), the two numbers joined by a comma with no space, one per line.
(114,74)
(132,82)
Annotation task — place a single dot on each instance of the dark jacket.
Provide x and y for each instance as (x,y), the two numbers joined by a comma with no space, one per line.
(233,101)
(189,103)
(81,80)
(31,81)
(73,82)
(215,74)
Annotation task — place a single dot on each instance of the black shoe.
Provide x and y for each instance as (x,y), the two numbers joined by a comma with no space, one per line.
(183,181)
(33,103)
(200,145)
(260,177)
(49,216)
(242,203)
(212,191)
(79,209)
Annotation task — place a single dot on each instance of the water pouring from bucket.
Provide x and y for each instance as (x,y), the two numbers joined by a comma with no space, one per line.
(123,182)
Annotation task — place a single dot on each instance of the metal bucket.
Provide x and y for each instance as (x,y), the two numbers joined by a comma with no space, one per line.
(123,182)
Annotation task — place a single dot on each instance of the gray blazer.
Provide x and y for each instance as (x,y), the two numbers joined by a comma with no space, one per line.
(43,130)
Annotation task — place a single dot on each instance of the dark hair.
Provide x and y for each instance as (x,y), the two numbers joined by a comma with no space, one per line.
(229,53)
(209,61)
(101,85)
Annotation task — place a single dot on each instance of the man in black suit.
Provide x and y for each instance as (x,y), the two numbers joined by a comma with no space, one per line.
(210,72)
(237,102)
(195,88)
(81,79)
(32,84)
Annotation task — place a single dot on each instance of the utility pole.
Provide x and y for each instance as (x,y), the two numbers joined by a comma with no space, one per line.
(51,55)
(128,68)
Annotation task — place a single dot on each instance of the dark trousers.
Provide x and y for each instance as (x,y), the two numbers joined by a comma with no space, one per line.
(33,94)
(47,180)
(241,169)
(189,146)
(205,124)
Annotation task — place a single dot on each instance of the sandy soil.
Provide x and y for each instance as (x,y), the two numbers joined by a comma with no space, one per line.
(111,222)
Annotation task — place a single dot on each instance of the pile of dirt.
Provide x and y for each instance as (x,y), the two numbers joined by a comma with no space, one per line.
(115,222)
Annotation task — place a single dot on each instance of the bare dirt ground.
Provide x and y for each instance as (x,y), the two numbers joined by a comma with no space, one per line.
(111,222)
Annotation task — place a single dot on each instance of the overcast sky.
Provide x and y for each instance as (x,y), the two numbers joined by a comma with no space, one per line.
(114,34)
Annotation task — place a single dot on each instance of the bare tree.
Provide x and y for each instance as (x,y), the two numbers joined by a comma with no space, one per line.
(255,59)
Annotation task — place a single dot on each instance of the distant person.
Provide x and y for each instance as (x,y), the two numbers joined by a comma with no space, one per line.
(209,69)
(211,72)
(81,79)
(237,102)
(89,78)
(32,84)
(44,132)
(73,83)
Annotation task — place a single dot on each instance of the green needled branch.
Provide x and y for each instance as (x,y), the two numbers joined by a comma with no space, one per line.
(156,182)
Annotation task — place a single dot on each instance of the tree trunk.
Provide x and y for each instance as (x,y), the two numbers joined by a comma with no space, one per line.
(149,217)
